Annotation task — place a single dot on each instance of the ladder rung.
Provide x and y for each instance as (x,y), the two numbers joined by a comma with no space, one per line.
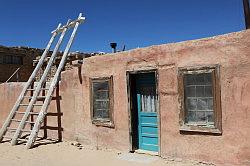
(33,104)
(14,129)
(35,89)
(38,97)
(18,112)
(70,24)
(37,104)
(6,136)
(24,104)
(32,113)
(16,120)
(56,58)
(30,122)
(23,130)
(22,139)
(11,129)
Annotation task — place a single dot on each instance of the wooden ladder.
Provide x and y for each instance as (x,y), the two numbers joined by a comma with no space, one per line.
(17,119)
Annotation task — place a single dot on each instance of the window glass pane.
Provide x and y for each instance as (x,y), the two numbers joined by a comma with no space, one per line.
(101,95)
(198,98)
(210,116)
(97,113)
(201,104)
(101,114)
(20,60)
(200,116)
(148,98)
(101,102)
(191,116)
(210,103)
(190,91)
(100,86)
(17,60)
(199,79)
(208,91)
(191,104)
(200,90)
(105,114)
(189,79)
(1,59)
(7,59)
(208,78)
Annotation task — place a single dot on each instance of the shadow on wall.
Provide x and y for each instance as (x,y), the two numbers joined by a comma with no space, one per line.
(80,74)
(58,114)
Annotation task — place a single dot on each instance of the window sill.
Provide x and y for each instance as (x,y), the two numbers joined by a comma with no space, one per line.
(103,123)
(200,129)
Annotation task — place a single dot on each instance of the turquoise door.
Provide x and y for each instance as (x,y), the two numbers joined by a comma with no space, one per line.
(147,111)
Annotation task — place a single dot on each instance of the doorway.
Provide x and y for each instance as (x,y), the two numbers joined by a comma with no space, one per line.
(143,111)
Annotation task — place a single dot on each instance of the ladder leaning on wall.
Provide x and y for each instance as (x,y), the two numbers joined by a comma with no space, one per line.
(14,134)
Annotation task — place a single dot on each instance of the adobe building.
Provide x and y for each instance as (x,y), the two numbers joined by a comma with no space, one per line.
(17,61)
(186,100)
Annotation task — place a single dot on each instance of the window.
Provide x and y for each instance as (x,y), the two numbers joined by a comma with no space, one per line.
(17,60)
(11,59)
(7,59)
(101,101)
(199,94)
(1,59)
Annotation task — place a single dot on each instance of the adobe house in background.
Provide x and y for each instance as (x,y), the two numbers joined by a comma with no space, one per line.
(181,100)
(17,61)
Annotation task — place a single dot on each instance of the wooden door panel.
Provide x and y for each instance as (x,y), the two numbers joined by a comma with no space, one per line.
(147,112)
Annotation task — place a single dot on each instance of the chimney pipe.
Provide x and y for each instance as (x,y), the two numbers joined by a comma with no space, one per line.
(113,46)
(247,13)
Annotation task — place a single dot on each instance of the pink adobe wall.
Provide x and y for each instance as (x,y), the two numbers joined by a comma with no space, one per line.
(231,52)
(8,95)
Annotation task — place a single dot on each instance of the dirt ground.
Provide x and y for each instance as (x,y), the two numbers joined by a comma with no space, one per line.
(73,154)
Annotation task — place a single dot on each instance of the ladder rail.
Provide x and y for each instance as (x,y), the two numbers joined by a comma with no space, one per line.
(55,80)
(27,85)
(70,24)
(38,89)
(13,74)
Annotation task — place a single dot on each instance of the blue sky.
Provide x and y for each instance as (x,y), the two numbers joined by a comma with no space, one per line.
(135,23)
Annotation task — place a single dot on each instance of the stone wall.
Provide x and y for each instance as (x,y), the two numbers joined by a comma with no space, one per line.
(73,56)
